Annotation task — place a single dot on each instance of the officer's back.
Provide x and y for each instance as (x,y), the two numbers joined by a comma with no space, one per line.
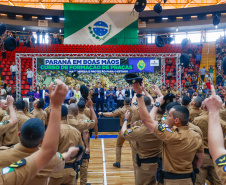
(29,145)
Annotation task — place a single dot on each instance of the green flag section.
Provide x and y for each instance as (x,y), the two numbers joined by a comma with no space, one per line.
(99,24)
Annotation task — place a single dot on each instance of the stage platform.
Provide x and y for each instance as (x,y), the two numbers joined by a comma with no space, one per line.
(108,124)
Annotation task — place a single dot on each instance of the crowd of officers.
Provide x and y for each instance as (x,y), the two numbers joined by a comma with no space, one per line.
(173,142)
(169,138)
(45,146)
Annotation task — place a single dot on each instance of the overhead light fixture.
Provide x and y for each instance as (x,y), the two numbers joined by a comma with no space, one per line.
(165,18)
(48,18)
(216,27)
(60,30)
(62,19)
(23,28)
(177,29)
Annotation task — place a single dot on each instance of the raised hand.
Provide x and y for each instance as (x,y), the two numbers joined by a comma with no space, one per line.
(137,88)
(214,102)
(58,95)
(127,114)
(157,90)
(9,100)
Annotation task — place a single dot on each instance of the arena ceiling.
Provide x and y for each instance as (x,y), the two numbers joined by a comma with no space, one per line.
(58,4)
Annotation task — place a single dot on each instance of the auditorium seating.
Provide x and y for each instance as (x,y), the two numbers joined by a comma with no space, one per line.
(69,48)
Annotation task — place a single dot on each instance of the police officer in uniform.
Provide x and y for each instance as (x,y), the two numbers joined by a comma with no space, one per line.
(29,145)
(215,133)
(175,91)
(69,137)
(149,148)
(120,140)
(164,91)
(23,171)
(181,145)
(186,101)
(88,113)
(207,168)
(22,118)
(195,108)
(10,137)
(84,114)
(190,125)
(26,110)
(8,124)
(152,92)
(81,125)
(38,112)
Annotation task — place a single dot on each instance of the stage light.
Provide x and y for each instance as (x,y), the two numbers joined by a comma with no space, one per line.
(216,20)
(176,29)
(60,30)
(23,28)
(158,8)
(140,5)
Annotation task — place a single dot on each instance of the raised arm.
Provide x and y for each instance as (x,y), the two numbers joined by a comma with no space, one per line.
(106,114)
(6,125)
(144,115)
(146,93)
(89,103)
(134,99)
(124,127)
(12,114)
(51,139)
(215,133)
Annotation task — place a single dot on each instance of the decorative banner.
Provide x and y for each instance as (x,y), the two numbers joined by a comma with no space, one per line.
(108,71)
(107,24)
(143,64)
(86,65)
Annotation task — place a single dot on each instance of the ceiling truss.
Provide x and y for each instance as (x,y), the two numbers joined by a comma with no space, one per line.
(58,4)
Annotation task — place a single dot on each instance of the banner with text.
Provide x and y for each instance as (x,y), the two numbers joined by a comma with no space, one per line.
(86,65)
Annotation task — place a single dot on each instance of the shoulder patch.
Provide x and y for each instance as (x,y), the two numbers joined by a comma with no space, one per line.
(4,122)
(163,118)
(135,103)
(18,164)
(221,161)
(161,128)
(7,170)
(128,131)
